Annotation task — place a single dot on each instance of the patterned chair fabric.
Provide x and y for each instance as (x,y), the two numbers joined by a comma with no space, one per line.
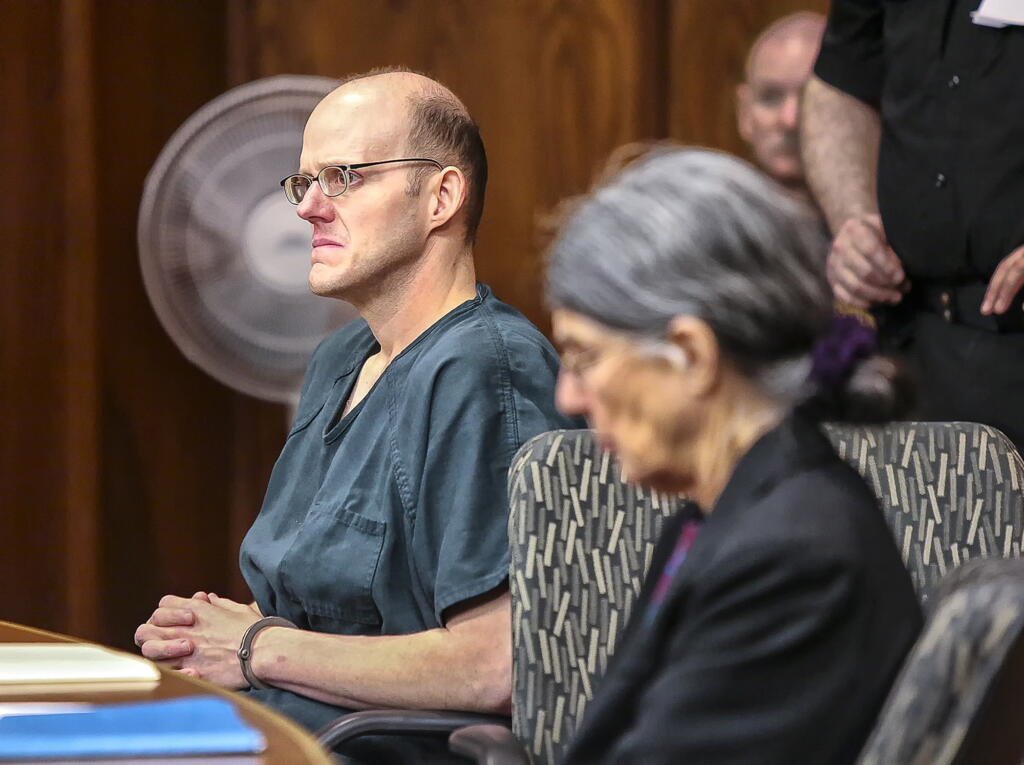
(951,491)
(942,692)
(582,540)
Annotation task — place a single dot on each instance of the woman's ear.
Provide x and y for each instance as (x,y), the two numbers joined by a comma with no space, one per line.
(449,194)
(699,348)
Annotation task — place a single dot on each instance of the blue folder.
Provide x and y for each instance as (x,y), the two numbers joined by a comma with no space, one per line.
(194,725)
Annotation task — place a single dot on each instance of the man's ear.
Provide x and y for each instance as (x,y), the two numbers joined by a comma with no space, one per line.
(448,195)
(699,345)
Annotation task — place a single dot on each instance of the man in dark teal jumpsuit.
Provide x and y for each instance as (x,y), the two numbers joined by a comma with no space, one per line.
(382,536)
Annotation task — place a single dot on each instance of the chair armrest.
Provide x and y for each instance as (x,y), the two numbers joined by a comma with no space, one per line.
(488,745)
(399,722)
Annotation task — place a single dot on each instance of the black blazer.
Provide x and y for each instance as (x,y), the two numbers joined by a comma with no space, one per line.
(781,633)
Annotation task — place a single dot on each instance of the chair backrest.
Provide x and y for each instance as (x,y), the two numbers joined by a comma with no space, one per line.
(581,540)
(957,698)
(951,491)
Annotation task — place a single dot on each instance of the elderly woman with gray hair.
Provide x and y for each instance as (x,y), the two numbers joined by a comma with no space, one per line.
(697,335)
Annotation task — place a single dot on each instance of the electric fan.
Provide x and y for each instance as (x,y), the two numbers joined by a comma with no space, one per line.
(225,259)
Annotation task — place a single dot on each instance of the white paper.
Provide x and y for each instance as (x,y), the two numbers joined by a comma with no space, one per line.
(999,13)
(56,665)
(16,708)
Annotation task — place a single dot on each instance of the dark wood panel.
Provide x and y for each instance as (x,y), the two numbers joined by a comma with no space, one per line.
(81,427)
(554,85)
(708,44)
(169,430)
(34,226)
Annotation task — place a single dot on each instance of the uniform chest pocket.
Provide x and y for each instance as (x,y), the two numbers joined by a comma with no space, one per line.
(329,569)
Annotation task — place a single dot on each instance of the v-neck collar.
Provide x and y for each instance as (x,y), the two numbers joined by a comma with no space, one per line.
(338,424)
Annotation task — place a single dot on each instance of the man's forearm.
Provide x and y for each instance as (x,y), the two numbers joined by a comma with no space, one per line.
(839,139)
(466,666)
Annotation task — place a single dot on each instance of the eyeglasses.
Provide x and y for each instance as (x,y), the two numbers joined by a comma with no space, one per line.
(334,180)
(579,361)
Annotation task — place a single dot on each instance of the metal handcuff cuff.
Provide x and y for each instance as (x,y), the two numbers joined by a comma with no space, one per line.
(245,649)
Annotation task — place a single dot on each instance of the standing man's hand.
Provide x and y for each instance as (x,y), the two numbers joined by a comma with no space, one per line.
(862,268)
(1005,283)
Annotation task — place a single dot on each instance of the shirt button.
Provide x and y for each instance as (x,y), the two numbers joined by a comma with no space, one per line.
(940,180)
(954,81)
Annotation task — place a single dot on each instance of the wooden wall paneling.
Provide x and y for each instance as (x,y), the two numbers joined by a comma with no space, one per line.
(708,44)
(590,72)
(169,432)
(554,84)
(81,427)
(33,339)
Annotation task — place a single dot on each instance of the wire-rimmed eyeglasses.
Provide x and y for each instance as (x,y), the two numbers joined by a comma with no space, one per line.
(334,180)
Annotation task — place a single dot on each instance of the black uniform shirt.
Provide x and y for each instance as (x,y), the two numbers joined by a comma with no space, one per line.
(951,97)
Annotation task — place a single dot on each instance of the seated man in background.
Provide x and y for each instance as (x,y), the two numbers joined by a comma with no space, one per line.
(382,537)
(768,100)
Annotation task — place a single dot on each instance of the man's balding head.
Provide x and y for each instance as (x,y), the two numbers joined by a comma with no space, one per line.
(804,28)
(777,66)
(411,197)
(428,120)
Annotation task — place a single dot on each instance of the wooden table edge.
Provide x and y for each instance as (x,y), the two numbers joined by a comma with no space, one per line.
(254,711)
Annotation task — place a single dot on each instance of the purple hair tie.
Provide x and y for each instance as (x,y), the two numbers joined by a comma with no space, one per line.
(846,341)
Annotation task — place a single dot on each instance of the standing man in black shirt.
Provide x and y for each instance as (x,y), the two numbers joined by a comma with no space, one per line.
(913,142)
